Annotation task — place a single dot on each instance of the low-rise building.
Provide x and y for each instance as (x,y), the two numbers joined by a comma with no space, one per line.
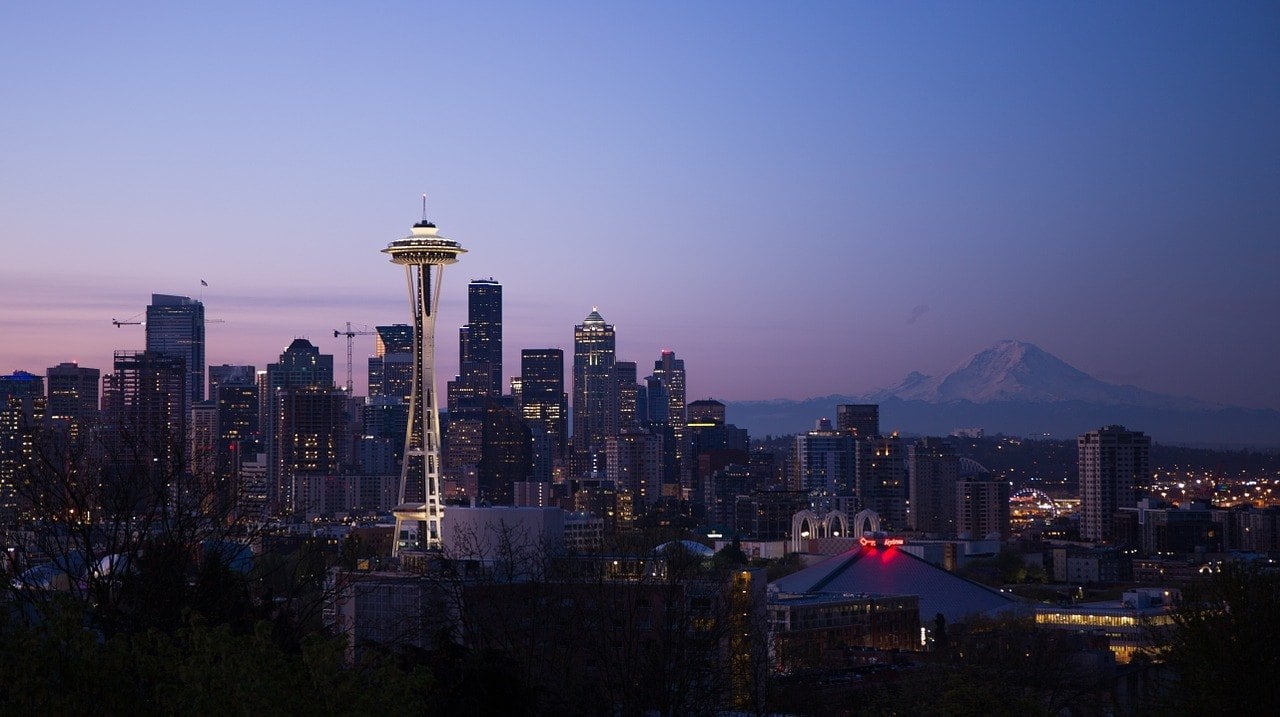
(1131,625)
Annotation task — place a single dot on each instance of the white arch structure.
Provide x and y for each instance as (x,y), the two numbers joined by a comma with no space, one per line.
(870,518)
(809,524)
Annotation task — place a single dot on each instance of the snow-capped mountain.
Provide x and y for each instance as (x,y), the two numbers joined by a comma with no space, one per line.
(1025,373)
(1017,388)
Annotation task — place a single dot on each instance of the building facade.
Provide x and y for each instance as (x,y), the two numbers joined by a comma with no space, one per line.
(175,327)
(595,391)
(1114,465)
(860,419)
(933,469)
(543,401)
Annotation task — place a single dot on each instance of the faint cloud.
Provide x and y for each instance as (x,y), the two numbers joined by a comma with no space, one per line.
(918,311)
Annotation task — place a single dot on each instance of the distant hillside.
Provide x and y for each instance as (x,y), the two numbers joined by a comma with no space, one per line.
(1018,389)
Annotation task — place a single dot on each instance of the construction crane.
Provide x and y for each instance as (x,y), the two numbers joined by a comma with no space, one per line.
(130,321)
(351,333)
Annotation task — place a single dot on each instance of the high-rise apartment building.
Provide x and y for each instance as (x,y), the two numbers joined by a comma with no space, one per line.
(860,419)
(634,463)
(175,327)
(1114,463)
(933,469)
(982,507)
(543,402)
(595,390)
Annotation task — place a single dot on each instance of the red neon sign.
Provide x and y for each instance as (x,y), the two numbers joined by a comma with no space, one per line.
(882,542)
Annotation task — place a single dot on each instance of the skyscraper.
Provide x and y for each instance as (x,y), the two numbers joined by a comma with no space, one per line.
(543,402)
(482,359)
(670,371)
(237,428)
(419,508)
(595,390)
(309,440)
(1113,463)
(175,327)
(628,392)
(391,366)
(505,455)
(479,350)
(22,412)
(301,365)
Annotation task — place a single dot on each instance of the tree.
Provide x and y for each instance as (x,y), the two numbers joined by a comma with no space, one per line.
(1226,642)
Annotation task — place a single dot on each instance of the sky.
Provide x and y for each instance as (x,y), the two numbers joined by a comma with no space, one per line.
(799,199)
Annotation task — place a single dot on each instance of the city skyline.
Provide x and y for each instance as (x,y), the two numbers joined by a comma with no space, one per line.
(797,204)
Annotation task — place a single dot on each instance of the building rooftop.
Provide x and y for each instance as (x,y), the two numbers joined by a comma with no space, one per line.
(890,571)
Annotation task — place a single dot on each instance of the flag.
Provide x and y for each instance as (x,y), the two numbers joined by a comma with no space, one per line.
(203,282)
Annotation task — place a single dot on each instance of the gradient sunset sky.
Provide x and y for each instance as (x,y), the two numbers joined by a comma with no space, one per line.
(797,198)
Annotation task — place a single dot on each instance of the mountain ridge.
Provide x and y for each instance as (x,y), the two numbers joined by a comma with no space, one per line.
(1017,388)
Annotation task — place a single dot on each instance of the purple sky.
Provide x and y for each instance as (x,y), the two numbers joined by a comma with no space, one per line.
(799,199)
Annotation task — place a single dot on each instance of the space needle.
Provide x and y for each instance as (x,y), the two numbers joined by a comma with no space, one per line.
(419,510)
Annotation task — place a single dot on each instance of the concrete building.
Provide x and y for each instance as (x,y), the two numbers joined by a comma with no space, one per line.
(825,631)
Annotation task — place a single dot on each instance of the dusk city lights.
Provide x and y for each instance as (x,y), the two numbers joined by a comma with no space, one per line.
(837,358)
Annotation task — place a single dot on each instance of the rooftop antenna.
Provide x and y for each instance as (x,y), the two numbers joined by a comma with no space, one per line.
(424,206)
